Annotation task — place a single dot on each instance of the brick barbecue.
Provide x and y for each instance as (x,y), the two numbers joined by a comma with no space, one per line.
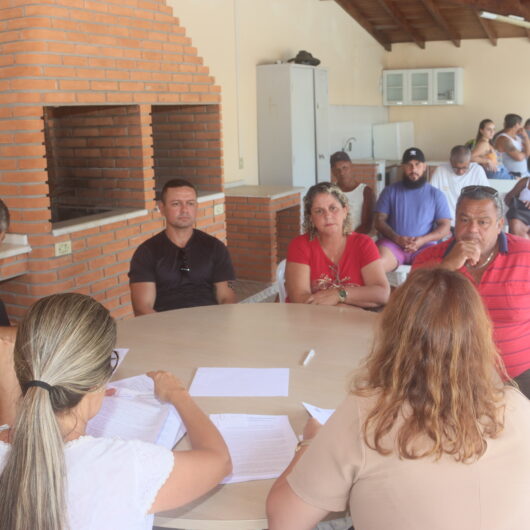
(100,103)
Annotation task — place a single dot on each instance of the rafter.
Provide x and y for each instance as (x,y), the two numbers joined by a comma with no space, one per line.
(488,30)
(365,23)
(398,17)
(451,34)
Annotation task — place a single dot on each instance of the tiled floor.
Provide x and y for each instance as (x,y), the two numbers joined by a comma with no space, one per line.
(249,291)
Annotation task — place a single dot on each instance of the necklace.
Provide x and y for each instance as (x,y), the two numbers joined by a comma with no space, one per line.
(486,262)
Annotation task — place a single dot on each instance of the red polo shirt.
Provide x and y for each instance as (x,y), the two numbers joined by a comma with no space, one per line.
(505,290)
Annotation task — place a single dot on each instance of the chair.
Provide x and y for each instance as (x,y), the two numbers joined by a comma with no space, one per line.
(398,276)
(280,280)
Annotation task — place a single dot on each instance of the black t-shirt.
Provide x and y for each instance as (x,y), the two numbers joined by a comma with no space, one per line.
(159,260)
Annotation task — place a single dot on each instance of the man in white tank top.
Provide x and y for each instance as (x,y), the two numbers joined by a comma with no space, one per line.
(514,145)
(360,196)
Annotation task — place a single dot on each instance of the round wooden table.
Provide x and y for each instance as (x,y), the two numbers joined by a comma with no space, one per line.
(249,335)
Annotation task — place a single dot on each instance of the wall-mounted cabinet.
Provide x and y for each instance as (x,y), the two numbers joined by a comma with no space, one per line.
(428,86)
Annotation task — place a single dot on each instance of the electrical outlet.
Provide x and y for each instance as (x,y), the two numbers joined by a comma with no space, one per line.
(63,248)
(219,209)
(241,163)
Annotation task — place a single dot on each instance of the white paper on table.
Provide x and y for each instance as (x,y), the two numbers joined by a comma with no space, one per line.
(261,447)
(122,352)
(240,382)
(134,413)
(321,415)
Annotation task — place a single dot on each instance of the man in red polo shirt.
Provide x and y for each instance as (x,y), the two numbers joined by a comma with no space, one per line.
(499,266)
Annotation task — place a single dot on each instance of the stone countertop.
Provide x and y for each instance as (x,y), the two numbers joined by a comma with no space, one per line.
(263,192)
(14,245)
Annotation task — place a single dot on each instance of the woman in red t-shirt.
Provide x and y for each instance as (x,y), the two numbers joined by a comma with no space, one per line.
(329,264)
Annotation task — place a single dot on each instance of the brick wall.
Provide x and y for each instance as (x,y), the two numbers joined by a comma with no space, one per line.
(187,144)
(252,233)
(78,53)
(367,174)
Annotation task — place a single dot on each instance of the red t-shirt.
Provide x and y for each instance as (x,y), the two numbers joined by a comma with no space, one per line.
(360,251)
(505,290)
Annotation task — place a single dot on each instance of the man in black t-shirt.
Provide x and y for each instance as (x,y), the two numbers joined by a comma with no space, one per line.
(180,266)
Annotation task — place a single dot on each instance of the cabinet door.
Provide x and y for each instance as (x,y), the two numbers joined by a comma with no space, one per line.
(447,86)
(420,87)
(321,125)
(303,126)
(394,87)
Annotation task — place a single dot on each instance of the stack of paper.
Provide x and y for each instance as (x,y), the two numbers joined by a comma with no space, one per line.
(134,413)
(240,382)
(261,447)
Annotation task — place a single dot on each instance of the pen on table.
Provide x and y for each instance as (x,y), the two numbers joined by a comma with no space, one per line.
(308,357)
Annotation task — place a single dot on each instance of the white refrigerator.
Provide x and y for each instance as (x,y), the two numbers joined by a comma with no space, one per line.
(391,139)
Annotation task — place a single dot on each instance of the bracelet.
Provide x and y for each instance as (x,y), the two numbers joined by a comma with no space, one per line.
(300,444)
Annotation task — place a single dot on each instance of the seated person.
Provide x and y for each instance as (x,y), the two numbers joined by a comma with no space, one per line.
(483,152)
(52,475)
(329,264)
(181,266)
(410,214)
(518,214)
(459,173)
(429,435)
(361,197)
(514,145)
(4,226)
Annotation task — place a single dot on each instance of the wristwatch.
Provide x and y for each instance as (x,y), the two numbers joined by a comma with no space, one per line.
(342,295)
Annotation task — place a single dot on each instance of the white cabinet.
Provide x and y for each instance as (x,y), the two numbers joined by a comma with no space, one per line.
(427,86)
(448,86)
(292,103)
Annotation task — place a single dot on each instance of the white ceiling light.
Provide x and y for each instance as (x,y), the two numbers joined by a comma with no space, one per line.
(510,19)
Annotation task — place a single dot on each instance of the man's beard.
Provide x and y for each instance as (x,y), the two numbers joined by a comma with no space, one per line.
(414,184)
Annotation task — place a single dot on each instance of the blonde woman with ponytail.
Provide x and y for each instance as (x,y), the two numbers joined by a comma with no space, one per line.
(55,477)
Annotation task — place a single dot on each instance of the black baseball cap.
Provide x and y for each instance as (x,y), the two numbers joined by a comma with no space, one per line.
(413,153)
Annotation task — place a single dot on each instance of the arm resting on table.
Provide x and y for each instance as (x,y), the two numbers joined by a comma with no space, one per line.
(143,296)
(224,293)
(298,282)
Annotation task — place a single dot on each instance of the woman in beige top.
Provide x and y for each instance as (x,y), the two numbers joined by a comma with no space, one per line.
(485,154)
(429,437)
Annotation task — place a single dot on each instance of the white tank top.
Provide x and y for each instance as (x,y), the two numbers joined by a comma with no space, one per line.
(356,199)
(525,192)
(514,166)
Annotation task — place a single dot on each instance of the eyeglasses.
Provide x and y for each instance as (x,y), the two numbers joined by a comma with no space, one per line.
(184,265)
(114,360)
(486,190)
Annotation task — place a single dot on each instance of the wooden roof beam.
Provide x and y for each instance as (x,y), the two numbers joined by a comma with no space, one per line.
(486,27)
(442,23)
(365,23)
(398,17)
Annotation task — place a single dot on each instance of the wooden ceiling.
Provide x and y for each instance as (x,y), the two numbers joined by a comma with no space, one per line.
(420,21)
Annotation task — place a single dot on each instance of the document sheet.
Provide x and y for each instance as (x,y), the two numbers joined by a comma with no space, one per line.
(321,415)
(240,382)
(133,413)
(261,447)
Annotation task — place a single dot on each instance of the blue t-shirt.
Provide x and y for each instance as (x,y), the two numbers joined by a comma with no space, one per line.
(412,212)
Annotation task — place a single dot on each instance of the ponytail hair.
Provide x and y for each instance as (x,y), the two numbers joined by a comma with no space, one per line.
(65,340)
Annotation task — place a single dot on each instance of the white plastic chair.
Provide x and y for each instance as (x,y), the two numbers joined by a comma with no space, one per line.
(280,280)
(398,276)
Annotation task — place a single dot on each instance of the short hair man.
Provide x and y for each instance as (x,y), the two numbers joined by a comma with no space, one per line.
(361,197)
(514,145)
(498,264)
(181,266)
(410,214)
(459,173)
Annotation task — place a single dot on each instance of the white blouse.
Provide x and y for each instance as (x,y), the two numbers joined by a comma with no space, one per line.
(111,484)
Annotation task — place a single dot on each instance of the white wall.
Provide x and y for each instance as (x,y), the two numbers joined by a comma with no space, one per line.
(233,36)
(496,82)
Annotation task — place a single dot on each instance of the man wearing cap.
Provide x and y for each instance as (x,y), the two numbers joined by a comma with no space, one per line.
(459,173)
(411,214)
(498,264)
(361,197)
